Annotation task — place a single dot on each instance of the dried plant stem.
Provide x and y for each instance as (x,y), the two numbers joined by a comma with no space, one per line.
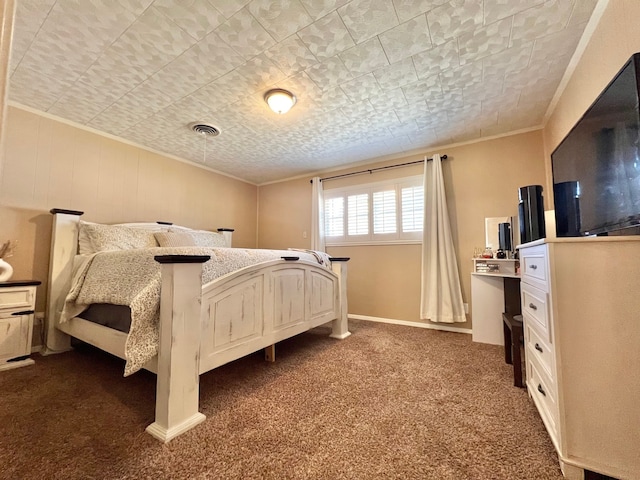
(6,250)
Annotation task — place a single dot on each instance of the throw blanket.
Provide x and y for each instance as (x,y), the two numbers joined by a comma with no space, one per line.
(132,278)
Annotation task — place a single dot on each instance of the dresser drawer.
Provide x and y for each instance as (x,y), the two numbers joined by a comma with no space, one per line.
(533,266)
(535,310)
(543,392)
(17,298)
(540,350)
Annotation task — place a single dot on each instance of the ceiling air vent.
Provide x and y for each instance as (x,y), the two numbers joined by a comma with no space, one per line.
(204,129)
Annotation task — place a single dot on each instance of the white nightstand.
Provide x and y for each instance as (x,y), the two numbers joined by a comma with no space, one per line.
(17,307)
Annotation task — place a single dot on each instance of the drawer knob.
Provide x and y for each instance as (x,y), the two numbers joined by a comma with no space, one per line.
(24,312)
(541,390)
(534,267)
(532,306)
(539,348)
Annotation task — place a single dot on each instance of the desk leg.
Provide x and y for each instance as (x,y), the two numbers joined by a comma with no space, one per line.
(508,344)
(516,333)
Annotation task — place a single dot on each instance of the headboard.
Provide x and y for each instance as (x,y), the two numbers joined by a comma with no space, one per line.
(64,247)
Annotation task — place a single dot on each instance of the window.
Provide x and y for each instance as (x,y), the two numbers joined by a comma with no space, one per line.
(383,212)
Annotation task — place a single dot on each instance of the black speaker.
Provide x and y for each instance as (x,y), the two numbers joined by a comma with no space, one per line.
(531,213)
(504,236)
(567,200)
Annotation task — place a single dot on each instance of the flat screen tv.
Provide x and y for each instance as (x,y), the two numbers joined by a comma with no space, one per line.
(596,168)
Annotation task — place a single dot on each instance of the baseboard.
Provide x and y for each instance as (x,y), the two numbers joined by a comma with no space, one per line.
(409,323)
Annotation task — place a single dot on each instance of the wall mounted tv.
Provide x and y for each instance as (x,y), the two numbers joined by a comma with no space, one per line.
(596,168)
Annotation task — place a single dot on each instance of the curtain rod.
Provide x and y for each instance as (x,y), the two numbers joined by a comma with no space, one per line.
(443,157)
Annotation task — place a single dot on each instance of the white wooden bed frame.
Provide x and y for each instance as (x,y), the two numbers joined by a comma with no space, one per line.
(203,327)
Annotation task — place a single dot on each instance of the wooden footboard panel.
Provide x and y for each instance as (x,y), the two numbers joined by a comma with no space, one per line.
(258,306)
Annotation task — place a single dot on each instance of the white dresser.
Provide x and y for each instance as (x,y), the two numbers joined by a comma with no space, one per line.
(581,312)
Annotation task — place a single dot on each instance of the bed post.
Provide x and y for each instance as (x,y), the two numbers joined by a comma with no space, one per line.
(177,389)
(340,326)
(227,233)
(64,245)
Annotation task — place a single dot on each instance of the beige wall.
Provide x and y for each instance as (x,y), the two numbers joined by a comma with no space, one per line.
(482,180)
(50,164)
(31,230)
(614,40)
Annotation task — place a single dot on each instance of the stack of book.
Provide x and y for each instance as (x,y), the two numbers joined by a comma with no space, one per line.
(487,268)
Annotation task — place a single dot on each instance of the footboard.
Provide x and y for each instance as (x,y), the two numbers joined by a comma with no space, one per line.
(260,305)
(233,316)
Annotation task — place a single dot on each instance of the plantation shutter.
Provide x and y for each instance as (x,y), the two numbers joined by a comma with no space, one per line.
(358,211)
(334,217)
(413,209)
(384,212)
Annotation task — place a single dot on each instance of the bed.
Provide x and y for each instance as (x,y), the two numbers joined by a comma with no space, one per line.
(205,320)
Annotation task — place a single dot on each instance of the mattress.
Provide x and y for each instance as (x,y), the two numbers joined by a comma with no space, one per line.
(117,317)
(132,278)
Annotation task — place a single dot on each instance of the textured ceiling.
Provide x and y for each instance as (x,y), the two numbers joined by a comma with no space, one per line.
(372,77)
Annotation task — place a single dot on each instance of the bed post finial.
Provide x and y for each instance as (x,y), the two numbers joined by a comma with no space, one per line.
(227,233)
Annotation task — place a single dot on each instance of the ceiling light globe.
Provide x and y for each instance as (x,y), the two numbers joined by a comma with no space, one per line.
(280,101)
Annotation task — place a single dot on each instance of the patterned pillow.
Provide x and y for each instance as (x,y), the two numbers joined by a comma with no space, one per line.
(208,239)
(95,237)
(204,238)
(84,242)
(175,239)
(153,227)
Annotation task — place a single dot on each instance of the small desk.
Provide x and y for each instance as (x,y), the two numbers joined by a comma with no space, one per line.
(493,294)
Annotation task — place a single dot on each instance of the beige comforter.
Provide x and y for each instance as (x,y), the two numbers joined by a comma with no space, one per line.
(132,278)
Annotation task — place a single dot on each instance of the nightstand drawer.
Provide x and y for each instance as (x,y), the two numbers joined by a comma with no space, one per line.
(17,298)
(17,304)
(535,309)
(15,336)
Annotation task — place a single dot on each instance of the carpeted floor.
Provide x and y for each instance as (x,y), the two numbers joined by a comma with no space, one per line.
(387,402)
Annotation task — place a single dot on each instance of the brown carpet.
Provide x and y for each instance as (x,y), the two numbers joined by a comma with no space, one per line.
(387,402)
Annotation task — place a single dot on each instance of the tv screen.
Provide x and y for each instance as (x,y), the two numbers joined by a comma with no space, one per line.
(596,168)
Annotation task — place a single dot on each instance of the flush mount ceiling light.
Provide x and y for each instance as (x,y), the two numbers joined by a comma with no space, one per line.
(280,101)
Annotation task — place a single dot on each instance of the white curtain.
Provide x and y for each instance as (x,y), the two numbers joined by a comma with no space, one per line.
(317,215)
(441,299)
